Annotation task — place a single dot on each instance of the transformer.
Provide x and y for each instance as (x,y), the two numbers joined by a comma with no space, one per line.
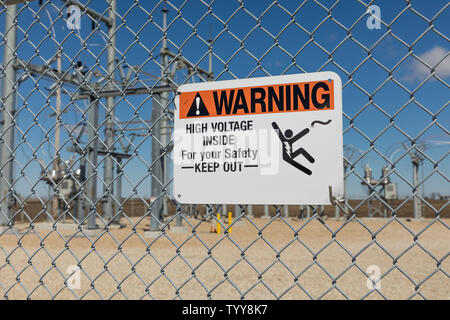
(66,182)
(390,191)
(67,188)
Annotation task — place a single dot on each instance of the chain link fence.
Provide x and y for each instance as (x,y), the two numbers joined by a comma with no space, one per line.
(85,157)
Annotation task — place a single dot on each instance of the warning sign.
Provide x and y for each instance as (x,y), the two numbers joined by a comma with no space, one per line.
(290,97)
(254,141)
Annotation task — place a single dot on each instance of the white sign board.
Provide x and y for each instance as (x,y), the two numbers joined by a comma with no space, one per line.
(270,140)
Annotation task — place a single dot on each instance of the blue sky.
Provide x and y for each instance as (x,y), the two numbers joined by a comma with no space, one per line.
(246,50)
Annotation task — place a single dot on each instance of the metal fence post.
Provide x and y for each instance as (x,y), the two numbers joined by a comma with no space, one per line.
(8,114)
(80,199)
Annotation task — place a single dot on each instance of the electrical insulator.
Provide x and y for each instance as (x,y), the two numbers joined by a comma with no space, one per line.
(368,174)
(384,175)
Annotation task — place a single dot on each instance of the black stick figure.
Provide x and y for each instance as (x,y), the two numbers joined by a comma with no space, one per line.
(287,140)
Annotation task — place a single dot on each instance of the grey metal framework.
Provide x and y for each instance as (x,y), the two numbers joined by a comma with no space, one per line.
(121,97)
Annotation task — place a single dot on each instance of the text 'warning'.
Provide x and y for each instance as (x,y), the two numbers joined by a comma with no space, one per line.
(309,96)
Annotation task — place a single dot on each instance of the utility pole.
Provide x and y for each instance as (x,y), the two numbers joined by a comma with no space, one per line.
(8,113)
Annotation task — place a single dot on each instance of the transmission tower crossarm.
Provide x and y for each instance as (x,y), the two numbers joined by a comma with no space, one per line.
(47,72)
(127,91)
(186,62)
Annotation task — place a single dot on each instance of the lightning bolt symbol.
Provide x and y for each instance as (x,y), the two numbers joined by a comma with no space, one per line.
(287,147)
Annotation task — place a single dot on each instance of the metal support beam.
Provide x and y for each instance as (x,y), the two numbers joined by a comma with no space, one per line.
(266,212)
(190,65)
(237,211)
(108,172)
(157,170)
(101,152)
(301,213)
(165,133)
(336,211)
(179,218)
(79,201)
(125,92)
(417,204)
(119,173)
(91,88)
(250,211)
(10,2)
(8,114)
(346,205)
(286,211)
(179,215)
(91,167)
(47,72)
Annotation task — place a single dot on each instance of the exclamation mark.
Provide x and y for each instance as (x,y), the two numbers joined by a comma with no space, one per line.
(197,102)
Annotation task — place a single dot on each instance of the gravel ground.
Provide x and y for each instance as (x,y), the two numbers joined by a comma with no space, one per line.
(264,264)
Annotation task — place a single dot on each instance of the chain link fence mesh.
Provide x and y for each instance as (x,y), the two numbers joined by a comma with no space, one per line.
(85,154)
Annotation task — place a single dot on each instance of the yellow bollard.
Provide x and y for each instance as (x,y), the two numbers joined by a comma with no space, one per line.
(229,222)
(218,224)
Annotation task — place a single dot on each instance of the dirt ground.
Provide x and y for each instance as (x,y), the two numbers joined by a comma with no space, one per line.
(260,259)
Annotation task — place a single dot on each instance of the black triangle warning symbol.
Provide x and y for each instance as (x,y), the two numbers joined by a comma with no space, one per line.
(198,108)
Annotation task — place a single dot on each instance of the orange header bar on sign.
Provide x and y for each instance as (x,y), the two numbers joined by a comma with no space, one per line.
(289,97)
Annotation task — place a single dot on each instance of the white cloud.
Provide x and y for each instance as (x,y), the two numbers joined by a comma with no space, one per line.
(418,71)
